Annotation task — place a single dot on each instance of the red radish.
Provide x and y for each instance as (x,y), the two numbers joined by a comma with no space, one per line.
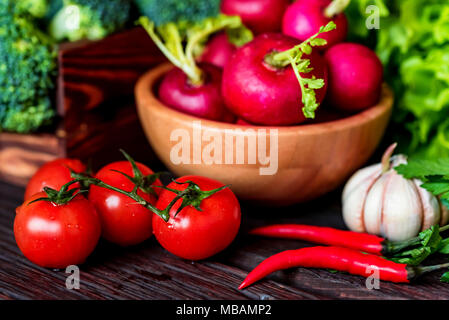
(263,94)
(203,100)
(305,17)
(218,51)
(258,15)
(355,76)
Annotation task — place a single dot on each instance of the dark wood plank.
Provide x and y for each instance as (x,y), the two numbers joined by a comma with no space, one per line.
(147,271)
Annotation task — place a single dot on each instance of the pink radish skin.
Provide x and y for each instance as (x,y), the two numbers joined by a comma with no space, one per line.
(355,77)
(261,94)
(304,18)
(203,101)
(258,15)
(218,51)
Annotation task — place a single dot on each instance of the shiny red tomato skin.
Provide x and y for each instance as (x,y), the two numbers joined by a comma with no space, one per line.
(54,174)
(196,235)
(56,236)
(124,222)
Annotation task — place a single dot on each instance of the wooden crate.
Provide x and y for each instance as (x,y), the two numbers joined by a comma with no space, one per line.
(95,104)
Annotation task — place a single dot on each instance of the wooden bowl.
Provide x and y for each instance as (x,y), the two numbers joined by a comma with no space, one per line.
(313,159)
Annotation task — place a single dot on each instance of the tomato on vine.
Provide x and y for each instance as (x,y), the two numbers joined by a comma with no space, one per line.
(124,221)
(55,229)
(204,217)
(54,174)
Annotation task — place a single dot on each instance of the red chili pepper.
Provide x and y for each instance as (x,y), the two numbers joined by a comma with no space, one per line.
(337,258)
(334,237)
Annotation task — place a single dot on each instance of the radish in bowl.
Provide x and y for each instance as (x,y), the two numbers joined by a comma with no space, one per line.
(303,18)
(273,81)
(355,77)
(202,100)
(258,15)
(218,51)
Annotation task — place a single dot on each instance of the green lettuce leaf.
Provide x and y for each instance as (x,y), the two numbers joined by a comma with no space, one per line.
(413,44)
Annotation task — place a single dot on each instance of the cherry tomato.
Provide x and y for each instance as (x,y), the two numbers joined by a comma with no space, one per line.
(123,221)
(56,236)
(54,174)
(193,234)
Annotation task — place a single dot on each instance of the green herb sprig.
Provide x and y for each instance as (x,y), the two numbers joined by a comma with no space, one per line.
(435,177)
(433,173)
(294,57)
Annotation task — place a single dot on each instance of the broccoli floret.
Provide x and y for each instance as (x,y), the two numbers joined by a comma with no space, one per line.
(27,70)
(89,19)
(28,119)
(165,11)
(36,8)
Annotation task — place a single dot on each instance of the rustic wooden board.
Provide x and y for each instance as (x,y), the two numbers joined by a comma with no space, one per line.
(95,102)
(22,155)
(101,75)
(147,271)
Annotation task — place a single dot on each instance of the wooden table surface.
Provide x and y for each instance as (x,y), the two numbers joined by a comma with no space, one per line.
(147,271)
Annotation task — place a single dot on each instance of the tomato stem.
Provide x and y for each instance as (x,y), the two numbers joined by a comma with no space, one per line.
(144,183)
(191,196)
(61,196)
(164,214)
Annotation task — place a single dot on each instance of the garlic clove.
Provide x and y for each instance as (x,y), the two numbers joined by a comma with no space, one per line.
(402,210)
(430,205)
(354,195)
(372,217)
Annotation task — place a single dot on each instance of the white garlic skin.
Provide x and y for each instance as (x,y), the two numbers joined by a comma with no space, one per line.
(387,204)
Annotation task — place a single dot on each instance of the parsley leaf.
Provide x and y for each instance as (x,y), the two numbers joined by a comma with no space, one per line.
(422,169)
(294,57)
(444,246)
(430,241)
(431,237)
(412,257)
(434,174)
(445,277)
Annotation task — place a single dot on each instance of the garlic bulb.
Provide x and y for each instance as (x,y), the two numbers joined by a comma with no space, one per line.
(378,200)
